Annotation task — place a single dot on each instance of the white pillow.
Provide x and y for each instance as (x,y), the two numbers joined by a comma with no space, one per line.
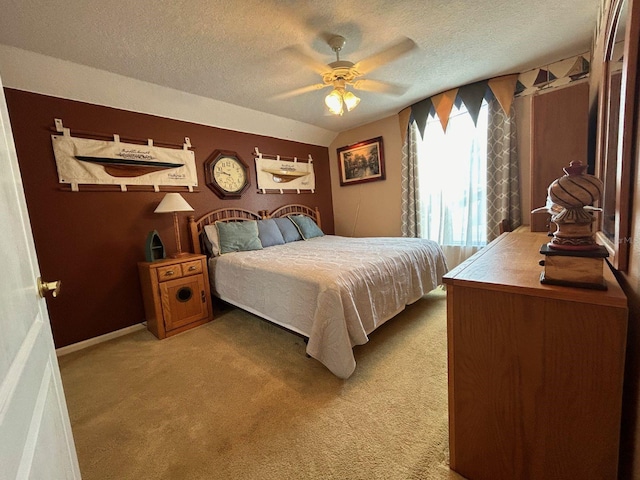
(211,240)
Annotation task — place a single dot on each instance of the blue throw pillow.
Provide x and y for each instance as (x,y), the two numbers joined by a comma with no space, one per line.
(289,231)
(269,233)
(238,236)
(307,227)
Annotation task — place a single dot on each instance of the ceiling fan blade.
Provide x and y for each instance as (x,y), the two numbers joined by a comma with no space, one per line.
(379,87)
(387,55)
(299,91)
(307,60)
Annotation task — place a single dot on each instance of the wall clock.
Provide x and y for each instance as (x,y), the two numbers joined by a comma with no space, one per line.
(226,174)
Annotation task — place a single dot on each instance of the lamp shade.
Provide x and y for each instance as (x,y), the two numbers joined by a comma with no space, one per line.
(173,202)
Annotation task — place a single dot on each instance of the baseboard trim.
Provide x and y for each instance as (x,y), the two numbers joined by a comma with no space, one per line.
(74,347)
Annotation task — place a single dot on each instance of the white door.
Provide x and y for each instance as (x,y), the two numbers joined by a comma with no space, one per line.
(35,433)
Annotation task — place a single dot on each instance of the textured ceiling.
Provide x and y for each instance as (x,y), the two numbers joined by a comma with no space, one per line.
(248,52)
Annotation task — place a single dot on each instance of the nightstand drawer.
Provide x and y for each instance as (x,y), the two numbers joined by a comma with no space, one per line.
(191,268)
(169,272)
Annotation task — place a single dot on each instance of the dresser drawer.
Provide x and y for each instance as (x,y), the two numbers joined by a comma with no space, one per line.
(191,268)
(169,272)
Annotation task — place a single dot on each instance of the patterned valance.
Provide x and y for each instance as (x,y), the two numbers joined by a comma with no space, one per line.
(502,88)
(553,75)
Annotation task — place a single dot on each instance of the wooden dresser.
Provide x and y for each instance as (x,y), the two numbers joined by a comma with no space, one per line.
(535,371)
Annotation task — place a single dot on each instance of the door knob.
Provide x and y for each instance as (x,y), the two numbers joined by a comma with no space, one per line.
(46,287)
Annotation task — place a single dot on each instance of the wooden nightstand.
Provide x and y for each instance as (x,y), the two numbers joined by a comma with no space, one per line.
(176,294)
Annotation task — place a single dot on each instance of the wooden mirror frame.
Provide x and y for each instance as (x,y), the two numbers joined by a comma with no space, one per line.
(617,243)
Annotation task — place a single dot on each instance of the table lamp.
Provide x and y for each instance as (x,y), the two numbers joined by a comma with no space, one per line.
(174,203)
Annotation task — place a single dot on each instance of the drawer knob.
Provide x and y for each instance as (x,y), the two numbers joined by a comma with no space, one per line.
(168,273)
(192,268)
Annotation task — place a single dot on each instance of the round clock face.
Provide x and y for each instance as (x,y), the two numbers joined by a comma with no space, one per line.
(226,174)
(229,174)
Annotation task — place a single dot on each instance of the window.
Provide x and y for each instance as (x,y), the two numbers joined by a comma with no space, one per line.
(452,179)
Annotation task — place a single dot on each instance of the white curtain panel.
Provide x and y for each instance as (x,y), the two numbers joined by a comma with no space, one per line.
(452,179)
(458,186)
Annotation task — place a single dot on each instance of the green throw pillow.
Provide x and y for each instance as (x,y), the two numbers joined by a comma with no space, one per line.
(238,236)
(307,227)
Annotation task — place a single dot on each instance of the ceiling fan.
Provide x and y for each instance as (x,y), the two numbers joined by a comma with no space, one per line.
(343,74)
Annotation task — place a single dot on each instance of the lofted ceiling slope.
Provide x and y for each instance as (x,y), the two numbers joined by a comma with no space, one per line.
(251,52)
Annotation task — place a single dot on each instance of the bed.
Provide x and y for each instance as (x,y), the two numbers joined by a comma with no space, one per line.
(333,290)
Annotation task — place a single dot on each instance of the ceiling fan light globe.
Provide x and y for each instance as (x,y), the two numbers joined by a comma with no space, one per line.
(334,102)
(336,110)
(350,100)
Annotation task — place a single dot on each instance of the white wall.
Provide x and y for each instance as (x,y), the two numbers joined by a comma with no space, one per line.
(369,209)
(33,72)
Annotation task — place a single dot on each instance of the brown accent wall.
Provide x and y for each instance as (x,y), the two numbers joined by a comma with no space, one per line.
(92,241)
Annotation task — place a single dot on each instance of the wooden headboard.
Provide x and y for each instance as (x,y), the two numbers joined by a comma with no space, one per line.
(240,214)
(296,209)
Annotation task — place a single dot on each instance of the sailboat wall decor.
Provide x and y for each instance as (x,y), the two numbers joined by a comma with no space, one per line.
(154,248)
(84,161)
(275,174)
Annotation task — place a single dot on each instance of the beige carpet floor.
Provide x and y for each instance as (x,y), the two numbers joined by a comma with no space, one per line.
(238,399)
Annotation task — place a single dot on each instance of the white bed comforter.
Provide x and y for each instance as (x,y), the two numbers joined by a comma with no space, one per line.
(334,290)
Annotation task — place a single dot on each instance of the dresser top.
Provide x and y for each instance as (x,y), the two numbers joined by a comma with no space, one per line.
(511,264)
